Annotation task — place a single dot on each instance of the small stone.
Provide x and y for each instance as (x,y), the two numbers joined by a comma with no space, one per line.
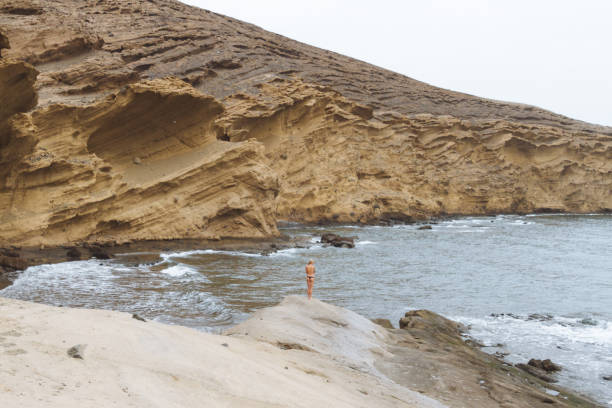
(77,351)
(607,377)
(225,344)
(135,316)
(425,227)
(136,160)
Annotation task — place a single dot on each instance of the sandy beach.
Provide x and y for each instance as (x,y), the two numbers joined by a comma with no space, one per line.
(130,363)
(296,354)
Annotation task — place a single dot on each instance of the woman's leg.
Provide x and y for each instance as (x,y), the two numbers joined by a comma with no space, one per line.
(310,282)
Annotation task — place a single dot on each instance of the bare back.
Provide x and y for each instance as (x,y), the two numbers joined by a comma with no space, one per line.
(310,270)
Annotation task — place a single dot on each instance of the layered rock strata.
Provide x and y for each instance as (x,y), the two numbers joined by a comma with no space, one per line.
(339,162)
(144,163)
(156,120)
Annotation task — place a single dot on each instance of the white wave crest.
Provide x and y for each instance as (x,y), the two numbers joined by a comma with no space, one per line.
(179,270)
(186,254)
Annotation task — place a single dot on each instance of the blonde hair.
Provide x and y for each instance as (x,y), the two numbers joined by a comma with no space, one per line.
(310,262)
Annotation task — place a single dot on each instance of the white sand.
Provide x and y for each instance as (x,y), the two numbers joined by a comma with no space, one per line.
(128,363)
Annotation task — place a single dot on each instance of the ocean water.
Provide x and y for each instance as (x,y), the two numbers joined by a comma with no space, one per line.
(530,286)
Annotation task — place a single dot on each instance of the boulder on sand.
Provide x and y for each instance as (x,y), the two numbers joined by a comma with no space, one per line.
(77,351)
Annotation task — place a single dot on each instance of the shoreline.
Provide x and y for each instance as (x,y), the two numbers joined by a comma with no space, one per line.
(14,259)
(243,244)
(267,359)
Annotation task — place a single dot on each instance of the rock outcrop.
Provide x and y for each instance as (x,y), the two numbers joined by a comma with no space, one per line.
(428,354)
(545,365)
(337,163)
(338,241)
(4,42)
(67,173)
(156,120)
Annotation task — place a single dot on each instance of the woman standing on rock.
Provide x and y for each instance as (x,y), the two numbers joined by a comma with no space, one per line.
(310,276)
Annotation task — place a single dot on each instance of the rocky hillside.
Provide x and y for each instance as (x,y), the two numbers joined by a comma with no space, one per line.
(150,119)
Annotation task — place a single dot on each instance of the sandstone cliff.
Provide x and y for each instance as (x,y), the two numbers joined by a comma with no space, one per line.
(126,143)
(144,163)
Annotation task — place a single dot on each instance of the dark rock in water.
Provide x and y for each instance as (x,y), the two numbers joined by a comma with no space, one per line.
(338,241)
(545,365)
(135,316)
(607,377)
(550,367)
(589,322)
(12,262)
(501,354)
(77,351)
(328,237)
(540,317)
(99,253)
(425,227)
(386,323)
(536,372)
(502,315)
(73,253)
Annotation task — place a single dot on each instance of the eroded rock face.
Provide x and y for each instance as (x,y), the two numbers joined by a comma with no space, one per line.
(16,88)
(4,42)
(85,47)
(68,173)
(337,163)
(125,144)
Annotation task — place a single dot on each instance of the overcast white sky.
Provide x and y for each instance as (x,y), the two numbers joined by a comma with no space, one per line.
(556,54)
